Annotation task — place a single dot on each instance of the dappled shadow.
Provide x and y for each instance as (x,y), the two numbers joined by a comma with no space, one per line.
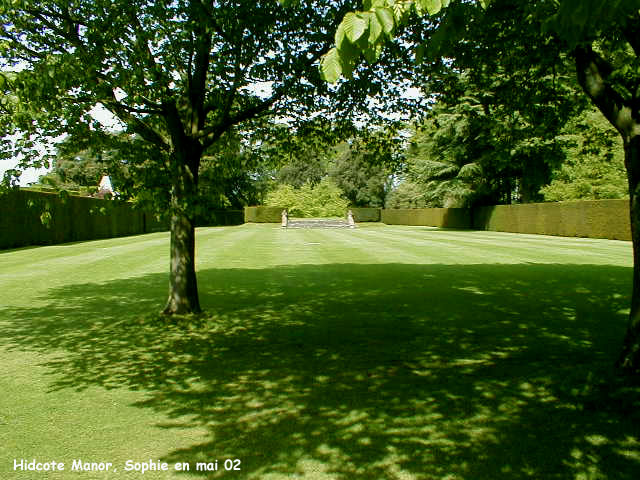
(365,371)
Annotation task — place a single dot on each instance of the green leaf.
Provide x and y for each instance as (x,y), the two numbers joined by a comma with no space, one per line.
(470,171)
(372,54)
(420,53)
(331,66)
(45,218)
(373,4)
(354,26)
(347,65)
(385,16)
(339,36)
(346,50)
(431,6)
(375,29)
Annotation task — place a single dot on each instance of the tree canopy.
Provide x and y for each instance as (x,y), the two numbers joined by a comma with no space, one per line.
(177,76)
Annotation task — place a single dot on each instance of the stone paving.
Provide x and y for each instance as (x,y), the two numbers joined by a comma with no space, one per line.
(317,223)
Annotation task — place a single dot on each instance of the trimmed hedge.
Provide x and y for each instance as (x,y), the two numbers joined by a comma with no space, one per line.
(216,218)
(30,217)
(365,214)
(154,223)
(587,218)
(263,214)
(432,217)
(36,218)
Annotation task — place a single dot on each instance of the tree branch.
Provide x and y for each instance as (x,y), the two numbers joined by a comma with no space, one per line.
(631,32)
(143,46)
(17,45)
(125,114)
(237,77)
(593,74)
(145,111)
(198,86)
(68,32)
(210,135)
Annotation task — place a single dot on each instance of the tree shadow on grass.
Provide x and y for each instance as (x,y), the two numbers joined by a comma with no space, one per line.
(366,371)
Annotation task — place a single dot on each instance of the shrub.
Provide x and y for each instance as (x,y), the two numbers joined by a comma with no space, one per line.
(323,200)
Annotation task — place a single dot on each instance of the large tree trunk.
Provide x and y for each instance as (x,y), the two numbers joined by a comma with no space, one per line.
(183,286)
(594,76)
(629,360)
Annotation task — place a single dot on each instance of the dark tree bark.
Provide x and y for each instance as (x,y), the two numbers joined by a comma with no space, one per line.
(183,286)
(624,114)
(630,356)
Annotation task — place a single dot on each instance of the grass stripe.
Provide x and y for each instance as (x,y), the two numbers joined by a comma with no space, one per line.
(375,352)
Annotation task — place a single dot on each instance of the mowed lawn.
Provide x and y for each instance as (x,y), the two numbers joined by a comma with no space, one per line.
(375,353)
